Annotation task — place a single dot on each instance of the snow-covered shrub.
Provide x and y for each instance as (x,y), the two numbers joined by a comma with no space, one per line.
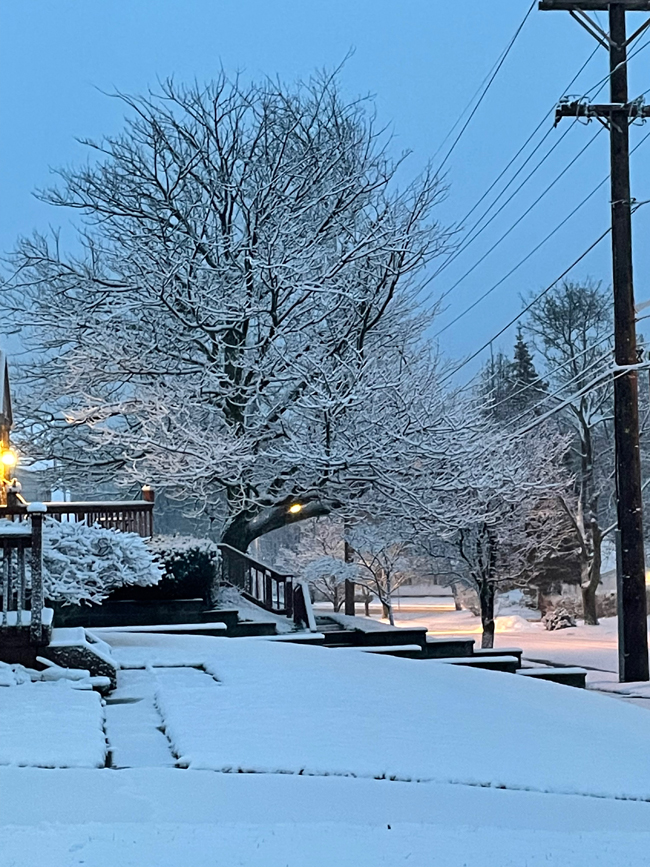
(83,564)
(189,568)
(559,619)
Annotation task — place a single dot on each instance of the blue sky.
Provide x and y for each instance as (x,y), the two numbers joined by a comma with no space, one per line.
(422,59)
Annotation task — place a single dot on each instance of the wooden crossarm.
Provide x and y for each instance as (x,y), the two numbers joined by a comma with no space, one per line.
(593,5)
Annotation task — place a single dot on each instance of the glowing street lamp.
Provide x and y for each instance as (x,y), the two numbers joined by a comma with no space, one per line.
(294,508)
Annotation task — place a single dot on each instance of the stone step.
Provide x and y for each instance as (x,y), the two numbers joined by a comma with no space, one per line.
(567,676)
(76,647)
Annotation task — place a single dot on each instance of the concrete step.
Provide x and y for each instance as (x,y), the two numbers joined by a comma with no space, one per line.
(491,663)
(484,652)
(129,612)
(567,676)
(215,629)
(437,648)
(248,628)
(229,616)
(406,651)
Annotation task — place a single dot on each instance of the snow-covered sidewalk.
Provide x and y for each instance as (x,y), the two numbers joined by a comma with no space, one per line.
(174,818)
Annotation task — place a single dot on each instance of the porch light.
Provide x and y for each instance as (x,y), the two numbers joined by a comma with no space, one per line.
(9,458)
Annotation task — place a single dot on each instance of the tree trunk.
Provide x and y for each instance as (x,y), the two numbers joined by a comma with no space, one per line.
(384,610)
(457,603)
(591,578)
(486,599)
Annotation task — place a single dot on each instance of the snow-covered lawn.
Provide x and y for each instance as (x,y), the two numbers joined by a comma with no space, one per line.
(279,708)
(279,747)
(51,725)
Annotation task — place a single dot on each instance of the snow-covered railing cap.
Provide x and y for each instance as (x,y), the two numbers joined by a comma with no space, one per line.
(36,507)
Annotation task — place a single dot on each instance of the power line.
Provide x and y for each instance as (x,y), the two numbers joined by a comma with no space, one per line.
(521,262)
(536,248)
(527,307)
(548,114)
(491,78)
(469,240)
(507,202)
(455,253)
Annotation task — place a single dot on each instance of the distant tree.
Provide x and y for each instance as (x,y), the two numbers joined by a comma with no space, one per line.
(509,387)
(500,513)
(382,555)
(571,329)
(527,386)
(319,557)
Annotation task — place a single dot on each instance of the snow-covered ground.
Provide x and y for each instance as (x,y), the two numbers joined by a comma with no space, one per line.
(174,818)
(592,647)
(51,725)
(293,755)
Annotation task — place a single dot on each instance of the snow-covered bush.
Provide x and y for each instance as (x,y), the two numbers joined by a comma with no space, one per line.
(83,564)
(189,567)
(559,619)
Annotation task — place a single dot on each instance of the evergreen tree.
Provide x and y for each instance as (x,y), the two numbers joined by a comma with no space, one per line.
(509,388)
(527,386)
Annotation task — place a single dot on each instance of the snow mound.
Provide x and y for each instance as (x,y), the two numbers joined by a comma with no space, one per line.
(515,623)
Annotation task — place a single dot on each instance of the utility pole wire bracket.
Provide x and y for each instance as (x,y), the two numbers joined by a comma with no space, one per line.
(635,110)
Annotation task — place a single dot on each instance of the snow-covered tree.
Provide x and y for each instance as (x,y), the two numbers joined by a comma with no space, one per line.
(381,552)
(328,575)
(236,324)
(572,331)
(498,508)
(319,558)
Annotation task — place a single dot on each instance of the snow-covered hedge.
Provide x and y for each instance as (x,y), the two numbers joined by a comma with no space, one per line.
(189,567)
(83,564)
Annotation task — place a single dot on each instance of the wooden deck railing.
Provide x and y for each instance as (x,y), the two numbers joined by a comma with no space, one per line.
(266,586)
(134,516)
(276,591)
(23,606)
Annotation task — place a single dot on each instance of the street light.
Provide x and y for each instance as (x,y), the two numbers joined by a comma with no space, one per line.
(294,508)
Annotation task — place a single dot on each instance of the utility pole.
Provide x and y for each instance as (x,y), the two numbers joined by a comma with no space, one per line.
(617,115)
